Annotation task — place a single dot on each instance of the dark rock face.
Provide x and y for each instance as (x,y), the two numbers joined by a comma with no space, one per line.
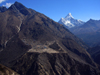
(31,43)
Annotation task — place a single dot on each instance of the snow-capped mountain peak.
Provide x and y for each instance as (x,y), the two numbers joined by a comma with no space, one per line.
(69,16)
(70,22)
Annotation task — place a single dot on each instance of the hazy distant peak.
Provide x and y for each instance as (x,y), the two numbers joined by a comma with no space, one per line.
(91,20)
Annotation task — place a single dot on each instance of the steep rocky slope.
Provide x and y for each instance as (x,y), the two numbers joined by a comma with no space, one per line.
(31,43)
(52,64)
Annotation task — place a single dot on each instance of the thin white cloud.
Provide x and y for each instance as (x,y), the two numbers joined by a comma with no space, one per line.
(2,1)
(8,5)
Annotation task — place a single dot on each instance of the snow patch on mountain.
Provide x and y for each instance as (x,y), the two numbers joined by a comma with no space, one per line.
(70,22)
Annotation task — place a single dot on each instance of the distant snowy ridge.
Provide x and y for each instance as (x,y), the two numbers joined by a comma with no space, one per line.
(70,22)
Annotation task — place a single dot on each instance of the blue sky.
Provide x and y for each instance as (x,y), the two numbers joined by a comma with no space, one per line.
(56,9)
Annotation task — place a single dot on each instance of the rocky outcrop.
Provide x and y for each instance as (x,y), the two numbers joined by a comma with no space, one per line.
(6,71)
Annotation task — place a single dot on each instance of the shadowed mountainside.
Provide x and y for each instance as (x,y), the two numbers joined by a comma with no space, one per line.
(95,53)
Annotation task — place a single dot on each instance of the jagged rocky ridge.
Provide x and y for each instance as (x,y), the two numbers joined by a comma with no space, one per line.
(31,43)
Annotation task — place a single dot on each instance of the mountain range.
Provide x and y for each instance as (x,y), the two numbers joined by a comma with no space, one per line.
(33,44)
(89,32)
